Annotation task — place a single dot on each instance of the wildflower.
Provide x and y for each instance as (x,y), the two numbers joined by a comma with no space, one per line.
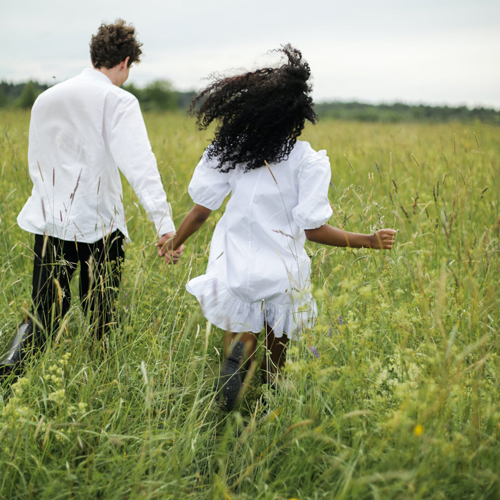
(341,320)
(274,414)
(18,390)
(419,430)
(57,396)
(23,381)
(315,352)
(382,377)
(341,300)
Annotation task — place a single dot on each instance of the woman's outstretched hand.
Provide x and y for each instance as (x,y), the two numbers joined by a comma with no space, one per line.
(328,235)
(383,239)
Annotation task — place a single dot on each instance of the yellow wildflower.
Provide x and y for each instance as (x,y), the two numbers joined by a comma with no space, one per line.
(419,430)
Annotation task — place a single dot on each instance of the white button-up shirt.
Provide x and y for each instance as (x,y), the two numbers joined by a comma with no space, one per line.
(81,131)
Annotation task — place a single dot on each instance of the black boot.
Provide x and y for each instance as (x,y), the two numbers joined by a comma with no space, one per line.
(23,340)
(230,377)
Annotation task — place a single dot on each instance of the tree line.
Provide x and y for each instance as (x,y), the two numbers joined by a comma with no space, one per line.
(161,96)
(399,112)
(157,96)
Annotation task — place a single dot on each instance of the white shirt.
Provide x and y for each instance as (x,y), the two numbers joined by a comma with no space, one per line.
(258,270)
(81,131)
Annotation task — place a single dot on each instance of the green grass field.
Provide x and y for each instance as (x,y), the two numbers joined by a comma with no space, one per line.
(402,402)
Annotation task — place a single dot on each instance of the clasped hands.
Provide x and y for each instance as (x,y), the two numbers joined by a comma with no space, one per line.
(165,247)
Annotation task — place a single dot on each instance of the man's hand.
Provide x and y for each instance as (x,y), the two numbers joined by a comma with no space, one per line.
(166,248)
(383,239)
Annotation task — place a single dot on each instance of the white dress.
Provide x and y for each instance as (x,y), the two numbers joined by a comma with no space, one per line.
(258,271)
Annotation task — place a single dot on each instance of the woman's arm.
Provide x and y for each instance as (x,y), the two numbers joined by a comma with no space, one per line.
(328,235)
(195,218)
(191,223)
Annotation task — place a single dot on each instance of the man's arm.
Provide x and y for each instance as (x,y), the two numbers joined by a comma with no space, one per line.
(130,147)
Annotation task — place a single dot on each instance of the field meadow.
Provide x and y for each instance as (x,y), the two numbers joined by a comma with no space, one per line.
(395,393)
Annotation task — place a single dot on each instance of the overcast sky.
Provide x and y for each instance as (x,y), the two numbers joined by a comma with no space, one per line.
(430,51)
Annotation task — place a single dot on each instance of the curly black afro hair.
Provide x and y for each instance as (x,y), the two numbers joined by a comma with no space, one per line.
(259,114)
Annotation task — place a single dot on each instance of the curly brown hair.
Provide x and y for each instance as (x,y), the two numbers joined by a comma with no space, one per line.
(259,115)
(113,44)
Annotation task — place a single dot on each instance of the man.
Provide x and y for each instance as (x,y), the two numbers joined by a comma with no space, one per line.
(81,132)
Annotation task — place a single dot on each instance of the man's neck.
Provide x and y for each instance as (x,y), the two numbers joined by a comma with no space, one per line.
(110,73)
(117,74)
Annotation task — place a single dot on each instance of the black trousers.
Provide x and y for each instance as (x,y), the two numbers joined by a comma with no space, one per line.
(100,274)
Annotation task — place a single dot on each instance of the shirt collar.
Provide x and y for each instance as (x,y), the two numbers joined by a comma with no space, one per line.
(93,73)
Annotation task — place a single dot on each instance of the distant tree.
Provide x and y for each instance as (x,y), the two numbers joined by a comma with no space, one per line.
(137,92)
(3,99)
(185,98)
(28,97)
(159,96)
(14,91)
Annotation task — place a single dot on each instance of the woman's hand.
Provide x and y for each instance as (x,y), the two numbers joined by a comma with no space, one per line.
(171,245)
(173,256)
(383,239)
(166,248)
(328,235)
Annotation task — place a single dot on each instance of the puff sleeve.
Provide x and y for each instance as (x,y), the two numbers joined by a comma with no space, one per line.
(313,209)
(209,186)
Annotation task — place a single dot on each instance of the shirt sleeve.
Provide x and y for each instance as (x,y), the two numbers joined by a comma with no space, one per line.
(313,209)
(209,186)
(132,152)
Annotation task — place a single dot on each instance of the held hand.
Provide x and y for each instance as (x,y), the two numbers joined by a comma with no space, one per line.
(383,239)
(171,245)
(163,243)
(173,256)
(165,248)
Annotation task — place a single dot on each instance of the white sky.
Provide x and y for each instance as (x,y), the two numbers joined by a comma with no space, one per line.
(431,51)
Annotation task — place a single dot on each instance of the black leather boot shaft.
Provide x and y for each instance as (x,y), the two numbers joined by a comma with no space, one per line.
(230,377)
(20,343)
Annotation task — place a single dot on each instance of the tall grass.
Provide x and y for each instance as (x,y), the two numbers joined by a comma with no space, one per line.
(395,392)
